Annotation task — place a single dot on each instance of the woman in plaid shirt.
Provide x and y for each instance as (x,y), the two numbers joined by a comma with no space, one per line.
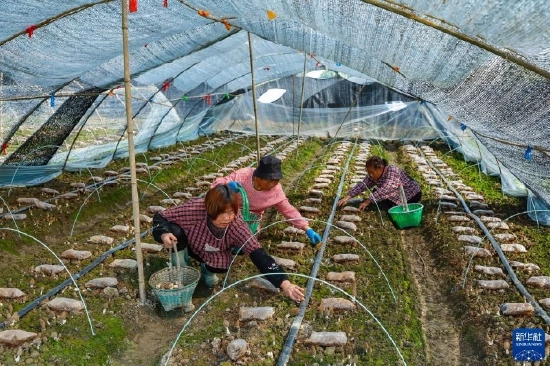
(207,229)
(387,179)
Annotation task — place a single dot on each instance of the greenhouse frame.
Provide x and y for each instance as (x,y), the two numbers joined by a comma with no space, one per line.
(474,74)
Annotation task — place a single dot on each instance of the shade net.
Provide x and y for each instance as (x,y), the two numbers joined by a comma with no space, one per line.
(403,70)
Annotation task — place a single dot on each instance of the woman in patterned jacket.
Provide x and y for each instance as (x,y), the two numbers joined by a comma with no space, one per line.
(207,229)
(387,179)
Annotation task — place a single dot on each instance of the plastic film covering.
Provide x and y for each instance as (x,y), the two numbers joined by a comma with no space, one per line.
(538,210)
(461,139)
(502,127)
(42,144)
(407,69)
(331,107)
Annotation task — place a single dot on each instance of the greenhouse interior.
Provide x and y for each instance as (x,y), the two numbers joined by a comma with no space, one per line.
(85,83)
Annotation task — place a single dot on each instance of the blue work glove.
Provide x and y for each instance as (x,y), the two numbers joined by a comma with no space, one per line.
(234,186)
(313,236)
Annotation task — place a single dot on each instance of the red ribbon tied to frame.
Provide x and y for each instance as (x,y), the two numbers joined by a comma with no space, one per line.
(208,99)
(165,86)
(5,148)
(30,30)
(133,6)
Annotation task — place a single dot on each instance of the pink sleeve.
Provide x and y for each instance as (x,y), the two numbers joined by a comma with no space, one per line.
(224,180)
(290,212)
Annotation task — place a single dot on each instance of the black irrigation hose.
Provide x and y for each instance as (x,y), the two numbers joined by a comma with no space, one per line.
(291,337)
(76,276)
(539,310)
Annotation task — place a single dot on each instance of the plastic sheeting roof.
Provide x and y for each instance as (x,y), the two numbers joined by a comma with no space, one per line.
(482,65)
(83,38)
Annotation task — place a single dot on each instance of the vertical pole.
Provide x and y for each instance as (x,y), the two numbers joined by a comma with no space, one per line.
(480,157)
(1,106)
(131,152)
(293,103)
(254,97)
(301,102)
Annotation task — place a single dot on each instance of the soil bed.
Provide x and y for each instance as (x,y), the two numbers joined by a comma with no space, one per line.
(434,319)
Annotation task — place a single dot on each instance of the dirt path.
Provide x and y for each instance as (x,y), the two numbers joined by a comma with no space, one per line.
(153,335)
(440,331)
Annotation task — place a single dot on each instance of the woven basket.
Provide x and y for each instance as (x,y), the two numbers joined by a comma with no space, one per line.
(251,219)
(186,279)
(404,218)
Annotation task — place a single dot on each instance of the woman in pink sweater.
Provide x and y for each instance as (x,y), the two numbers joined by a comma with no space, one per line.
(264,191)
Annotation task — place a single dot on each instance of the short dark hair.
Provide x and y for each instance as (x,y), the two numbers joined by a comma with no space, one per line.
(218,199)
(376,162)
